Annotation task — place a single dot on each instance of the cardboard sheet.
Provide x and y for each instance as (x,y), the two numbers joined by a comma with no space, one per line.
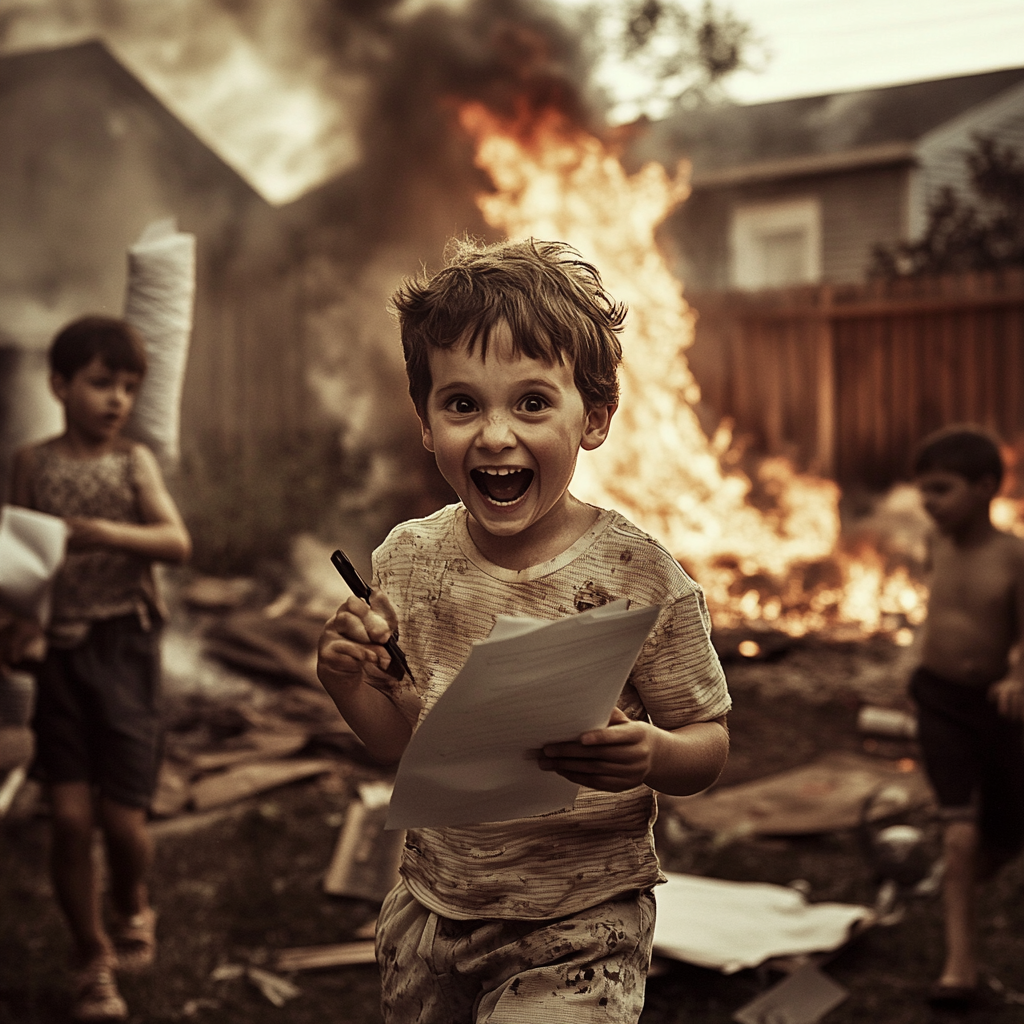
(728,926)
(802,998)
(827,795)
(474,757)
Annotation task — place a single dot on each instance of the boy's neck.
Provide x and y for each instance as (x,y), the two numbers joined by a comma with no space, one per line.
(974,532)
(77,445)
(542,542)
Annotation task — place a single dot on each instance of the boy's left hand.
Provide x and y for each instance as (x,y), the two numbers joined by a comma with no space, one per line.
(1008,695)
(615,758)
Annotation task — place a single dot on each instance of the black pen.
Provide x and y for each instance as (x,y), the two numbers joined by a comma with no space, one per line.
(398,666)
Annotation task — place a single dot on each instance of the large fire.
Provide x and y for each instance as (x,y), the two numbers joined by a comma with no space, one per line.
(777,561)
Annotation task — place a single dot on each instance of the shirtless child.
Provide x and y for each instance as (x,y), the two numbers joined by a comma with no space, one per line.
(970,700)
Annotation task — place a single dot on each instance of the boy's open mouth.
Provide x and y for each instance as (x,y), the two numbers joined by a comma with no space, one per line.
(502,486)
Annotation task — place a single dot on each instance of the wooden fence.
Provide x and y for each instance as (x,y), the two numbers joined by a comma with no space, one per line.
(846,379)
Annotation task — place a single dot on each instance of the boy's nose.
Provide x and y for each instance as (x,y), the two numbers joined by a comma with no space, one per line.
(496,433)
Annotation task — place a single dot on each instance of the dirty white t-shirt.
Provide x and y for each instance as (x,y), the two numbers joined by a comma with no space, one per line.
(447,596)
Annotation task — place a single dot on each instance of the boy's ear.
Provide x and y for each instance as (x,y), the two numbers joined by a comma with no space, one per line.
(597,425)
(428,437)
(59,386)
(988,485)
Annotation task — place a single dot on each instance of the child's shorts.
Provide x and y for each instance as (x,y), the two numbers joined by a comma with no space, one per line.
(97,717)
(586,968)
(974,758)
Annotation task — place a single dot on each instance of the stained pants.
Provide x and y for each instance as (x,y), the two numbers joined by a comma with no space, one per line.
(587,968)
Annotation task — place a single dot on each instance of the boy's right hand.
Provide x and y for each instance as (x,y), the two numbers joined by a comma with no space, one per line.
(21,639)
(351,647)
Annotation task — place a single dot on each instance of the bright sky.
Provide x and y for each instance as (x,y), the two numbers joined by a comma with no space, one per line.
(821,46)
(809,47)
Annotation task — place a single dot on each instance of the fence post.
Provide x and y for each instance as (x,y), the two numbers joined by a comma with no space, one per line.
(826,405)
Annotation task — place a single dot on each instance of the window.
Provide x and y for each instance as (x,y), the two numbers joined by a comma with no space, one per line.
(776,244)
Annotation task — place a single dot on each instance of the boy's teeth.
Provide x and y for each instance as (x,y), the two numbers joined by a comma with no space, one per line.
(503,485)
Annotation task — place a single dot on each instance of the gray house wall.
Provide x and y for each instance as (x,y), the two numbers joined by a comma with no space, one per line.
(858,210)
(873,159)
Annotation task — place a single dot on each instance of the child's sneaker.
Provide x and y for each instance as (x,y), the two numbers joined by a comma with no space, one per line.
(95,996)
(135,940)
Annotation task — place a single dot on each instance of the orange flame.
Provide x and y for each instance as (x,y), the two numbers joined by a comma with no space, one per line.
(777,564)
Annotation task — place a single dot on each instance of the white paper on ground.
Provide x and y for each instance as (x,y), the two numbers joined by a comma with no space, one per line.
(158,304)
(32,546)
(473,758)
(728,926)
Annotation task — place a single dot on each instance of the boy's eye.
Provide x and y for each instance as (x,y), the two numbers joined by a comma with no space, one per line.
(460,404)
(534,403)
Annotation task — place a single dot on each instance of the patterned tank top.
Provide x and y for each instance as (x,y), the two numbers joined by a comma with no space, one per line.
(98,584)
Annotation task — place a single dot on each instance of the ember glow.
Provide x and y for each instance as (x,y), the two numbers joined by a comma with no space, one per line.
(765,549)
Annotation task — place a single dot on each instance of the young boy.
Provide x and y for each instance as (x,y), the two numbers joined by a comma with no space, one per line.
(970,700)
(96,719)
(512,354)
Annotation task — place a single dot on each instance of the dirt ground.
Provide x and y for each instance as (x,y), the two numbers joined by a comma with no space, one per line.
(247,881)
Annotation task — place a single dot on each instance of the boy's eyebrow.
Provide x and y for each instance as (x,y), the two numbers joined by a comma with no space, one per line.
(528,382)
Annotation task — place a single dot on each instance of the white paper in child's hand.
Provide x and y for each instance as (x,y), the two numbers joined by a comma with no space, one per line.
(32,547)
(159,303)
(473,759)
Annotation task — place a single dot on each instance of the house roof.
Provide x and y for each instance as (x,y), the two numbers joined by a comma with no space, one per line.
(728,143)
(93,60)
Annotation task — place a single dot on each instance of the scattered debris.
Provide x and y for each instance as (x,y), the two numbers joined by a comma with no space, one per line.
(277,989)
(282,646)
(16,746)
(194,1006)
(250,779)
(339,954)
(753,643)
(802,998)
(9,788)
(254,746)
(875,721)
(1008,995)
(827,795)
(217,594)
(366,858)
(899,853)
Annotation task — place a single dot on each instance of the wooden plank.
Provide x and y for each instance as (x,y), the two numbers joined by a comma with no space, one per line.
(12,782)
(255,745)
(339,954)
(250,779)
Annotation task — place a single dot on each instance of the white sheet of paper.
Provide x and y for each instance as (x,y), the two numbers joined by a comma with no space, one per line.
(32,548)
(474,757)
(728,926)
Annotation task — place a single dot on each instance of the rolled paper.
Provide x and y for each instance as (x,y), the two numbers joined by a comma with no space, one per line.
(32,547)
(159,305)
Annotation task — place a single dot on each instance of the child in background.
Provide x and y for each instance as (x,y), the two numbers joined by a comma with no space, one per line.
(96,718)
(970,700)
(512,357)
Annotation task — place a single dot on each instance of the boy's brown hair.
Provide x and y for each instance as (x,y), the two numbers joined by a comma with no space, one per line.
(115,341)
(553,302)
(965,449)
